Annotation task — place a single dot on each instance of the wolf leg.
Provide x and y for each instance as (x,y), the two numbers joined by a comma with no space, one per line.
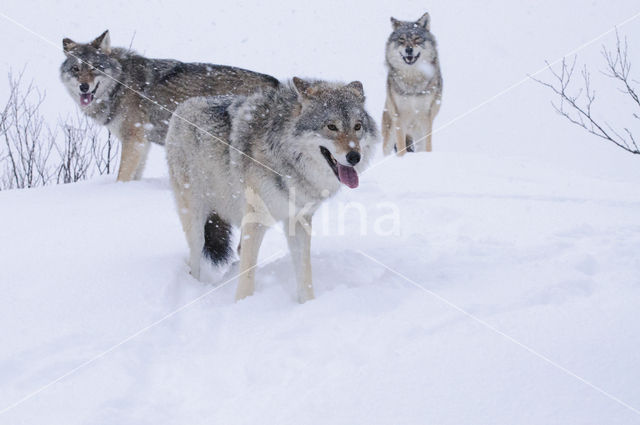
(429,131)
(300,246)
(196,241)
(420,130)
(401,139)
(251,237)
(183,202)
(144,154)
(433,111)
(390,125)
(134,152)
(410,146)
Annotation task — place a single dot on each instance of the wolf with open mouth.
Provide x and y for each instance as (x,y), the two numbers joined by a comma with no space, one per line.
(272,157)
(134,96)
(414,87)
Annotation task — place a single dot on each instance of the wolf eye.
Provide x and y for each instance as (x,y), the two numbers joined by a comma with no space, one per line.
(332,127)
(75,68)
(418,41)
(357,127)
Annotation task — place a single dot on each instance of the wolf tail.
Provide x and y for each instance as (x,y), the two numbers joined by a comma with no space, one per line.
(217,239)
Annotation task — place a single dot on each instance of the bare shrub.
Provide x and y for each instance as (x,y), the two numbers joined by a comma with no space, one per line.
(27,140)
(33,153)
(104,149)
(578,107)
(75,155)
(85,150)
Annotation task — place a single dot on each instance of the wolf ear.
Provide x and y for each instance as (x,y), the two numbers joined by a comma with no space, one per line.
(356,87)
(302,87)
(395,23)
(103,42)
(68,45)
(425,21)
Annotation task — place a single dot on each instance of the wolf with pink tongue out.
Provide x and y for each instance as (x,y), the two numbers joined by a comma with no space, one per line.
(285,151)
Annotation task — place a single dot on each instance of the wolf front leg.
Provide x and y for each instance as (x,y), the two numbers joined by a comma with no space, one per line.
(401,138)
(421,132)
(251,236)
(429,131)
(299,239)
(135,147)
(393,135)
(433,111)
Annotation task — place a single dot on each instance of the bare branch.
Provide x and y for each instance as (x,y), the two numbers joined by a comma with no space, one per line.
(32,153)
(619,67)
(579,108)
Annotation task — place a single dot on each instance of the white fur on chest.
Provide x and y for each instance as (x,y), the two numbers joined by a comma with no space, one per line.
(414,106)
(427,69)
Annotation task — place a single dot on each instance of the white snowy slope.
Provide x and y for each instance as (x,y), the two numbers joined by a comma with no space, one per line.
(508,294)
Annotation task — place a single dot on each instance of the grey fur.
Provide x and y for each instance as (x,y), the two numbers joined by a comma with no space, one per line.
(117,74)
(273,168)
(414,86)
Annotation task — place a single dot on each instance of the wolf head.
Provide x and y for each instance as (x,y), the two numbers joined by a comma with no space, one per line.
(411,44)
(89,71)
(336,129)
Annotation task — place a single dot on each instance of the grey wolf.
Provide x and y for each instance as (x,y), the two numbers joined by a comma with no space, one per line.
(105,83)
(414,87)
(289,149)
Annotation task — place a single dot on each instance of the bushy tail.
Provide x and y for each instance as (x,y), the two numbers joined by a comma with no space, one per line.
(217,239)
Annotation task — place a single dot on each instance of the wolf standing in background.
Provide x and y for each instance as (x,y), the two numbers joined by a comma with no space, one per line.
(414,87)
(290,148)
(134,96)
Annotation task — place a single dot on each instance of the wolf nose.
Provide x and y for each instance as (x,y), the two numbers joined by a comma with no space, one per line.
(353,157)
(409,50)
(84,87)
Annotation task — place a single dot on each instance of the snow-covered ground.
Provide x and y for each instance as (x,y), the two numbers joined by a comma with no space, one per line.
(509,293)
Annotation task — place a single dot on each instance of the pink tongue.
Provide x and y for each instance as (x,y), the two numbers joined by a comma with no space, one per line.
(348,176)
(86,98)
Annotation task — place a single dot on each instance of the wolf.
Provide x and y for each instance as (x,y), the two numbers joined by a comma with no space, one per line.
(289,149)
(414,87)
(134,96)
